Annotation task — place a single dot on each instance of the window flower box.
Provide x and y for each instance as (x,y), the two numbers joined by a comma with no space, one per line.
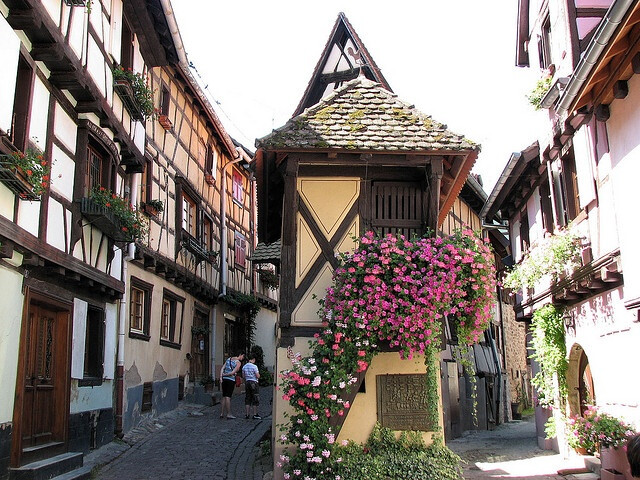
(25,174)
(113,215)
(135,93)
(209,179)
(165,122)
(196,248)
(152,207)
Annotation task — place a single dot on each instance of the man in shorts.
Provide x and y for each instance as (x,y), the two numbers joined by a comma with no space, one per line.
(251,375)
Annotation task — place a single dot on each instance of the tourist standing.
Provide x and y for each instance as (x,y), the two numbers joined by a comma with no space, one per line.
(228,374)
(251,375)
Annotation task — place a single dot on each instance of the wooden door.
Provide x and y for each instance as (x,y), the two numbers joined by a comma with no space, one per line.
(42,400)
(199,364)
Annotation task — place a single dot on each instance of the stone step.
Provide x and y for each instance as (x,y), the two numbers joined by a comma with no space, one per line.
(48,468)
(82,473)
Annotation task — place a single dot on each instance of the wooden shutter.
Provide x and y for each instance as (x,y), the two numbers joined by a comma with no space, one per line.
(396,208)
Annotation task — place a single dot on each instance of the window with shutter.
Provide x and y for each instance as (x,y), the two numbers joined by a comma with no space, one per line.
(240,250)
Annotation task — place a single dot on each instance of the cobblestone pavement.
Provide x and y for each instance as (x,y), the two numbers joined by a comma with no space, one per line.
(192,442)
(511,451)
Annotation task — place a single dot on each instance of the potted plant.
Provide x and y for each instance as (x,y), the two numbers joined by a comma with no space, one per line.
(135,92)
(199,330)
(153,207)
(114,215)
(26,174)
(596,430)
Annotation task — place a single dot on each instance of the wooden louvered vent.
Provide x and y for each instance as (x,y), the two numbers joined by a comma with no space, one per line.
(397,208)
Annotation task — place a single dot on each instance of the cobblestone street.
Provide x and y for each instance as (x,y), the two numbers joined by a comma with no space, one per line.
(194,443)
(511,451)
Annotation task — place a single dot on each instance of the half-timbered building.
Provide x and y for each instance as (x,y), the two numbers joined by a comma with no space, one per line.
(63,250)
(580,176)
(196,194)
(103,320)
(354,158)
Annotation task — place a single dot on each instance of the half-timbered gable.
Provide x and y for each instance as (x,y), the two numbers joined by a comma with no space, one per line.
(354,158)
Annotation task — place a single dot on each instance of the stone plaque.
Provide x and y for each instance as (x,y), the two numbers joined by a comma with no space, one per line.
(402,402)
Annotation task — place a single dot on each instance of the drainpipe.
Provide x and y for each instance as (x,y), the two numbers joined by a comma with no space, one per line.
(131,250)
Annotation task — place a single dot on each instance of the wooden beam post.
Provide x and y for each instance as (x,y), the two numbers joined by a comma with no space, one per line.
(435,179)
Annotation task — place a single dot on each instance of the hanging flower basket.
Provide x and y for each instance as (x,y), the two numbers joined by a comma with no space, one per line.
(26,174)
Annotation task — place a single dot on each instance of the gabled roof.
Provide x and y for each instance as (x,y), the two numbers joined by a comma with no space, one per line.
(343,58)
(364,116)
(520,171)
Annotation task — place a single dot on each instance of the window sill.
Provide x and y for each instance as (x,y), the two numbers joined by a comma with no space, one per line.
(139,336)
(90,382)
(170,344)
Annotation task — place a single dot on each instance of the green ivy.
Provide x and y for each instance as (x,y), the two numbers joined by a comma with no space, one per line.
(550,351)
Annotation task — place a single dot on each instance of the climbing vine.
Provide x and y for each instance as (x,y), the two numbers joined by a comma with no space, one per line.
(550,351)
(390,291)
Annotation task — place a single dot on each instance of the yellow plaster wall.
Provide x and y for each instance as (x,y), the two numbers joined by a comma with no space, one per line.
(364,412)
(306,312)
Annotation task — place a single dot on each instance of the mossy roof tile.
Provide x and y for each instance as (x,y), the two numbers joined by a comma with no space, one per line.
(363,115)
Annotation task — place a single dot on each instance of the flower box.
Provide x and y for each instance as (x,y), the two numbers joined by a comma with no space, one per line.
(104,219)
(15,179)
(124,89)
(152,207)
(209,179)
(165,122)
(196,248)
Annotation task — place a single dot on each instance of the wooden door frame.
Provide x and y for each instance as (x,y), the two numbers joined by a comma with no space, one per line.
(63,418)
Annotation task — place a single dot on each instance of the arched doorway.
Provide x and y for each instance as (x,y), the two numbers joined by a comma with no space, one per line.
(580,381)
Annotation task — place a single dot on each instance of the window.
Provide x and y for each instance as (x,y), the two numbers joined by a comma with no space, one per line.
(126,47)
(569,185)
(101,170)
(238,187)
(146,181)
(240,250)
(524,231)
(210,165)
(545,206)
(544,44)
(189,215)
(164,102)
(171,319)
(206,234)
(22,104)
(139,309)
(396,208)
(94,344)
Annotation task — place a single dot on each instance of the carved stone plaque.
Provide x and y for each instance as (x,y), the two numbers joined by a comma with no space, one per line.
(402,402)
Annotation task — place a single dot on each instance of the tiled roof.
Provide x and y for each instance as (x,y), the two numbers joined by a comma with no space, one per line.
(362,115)
(267,253)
